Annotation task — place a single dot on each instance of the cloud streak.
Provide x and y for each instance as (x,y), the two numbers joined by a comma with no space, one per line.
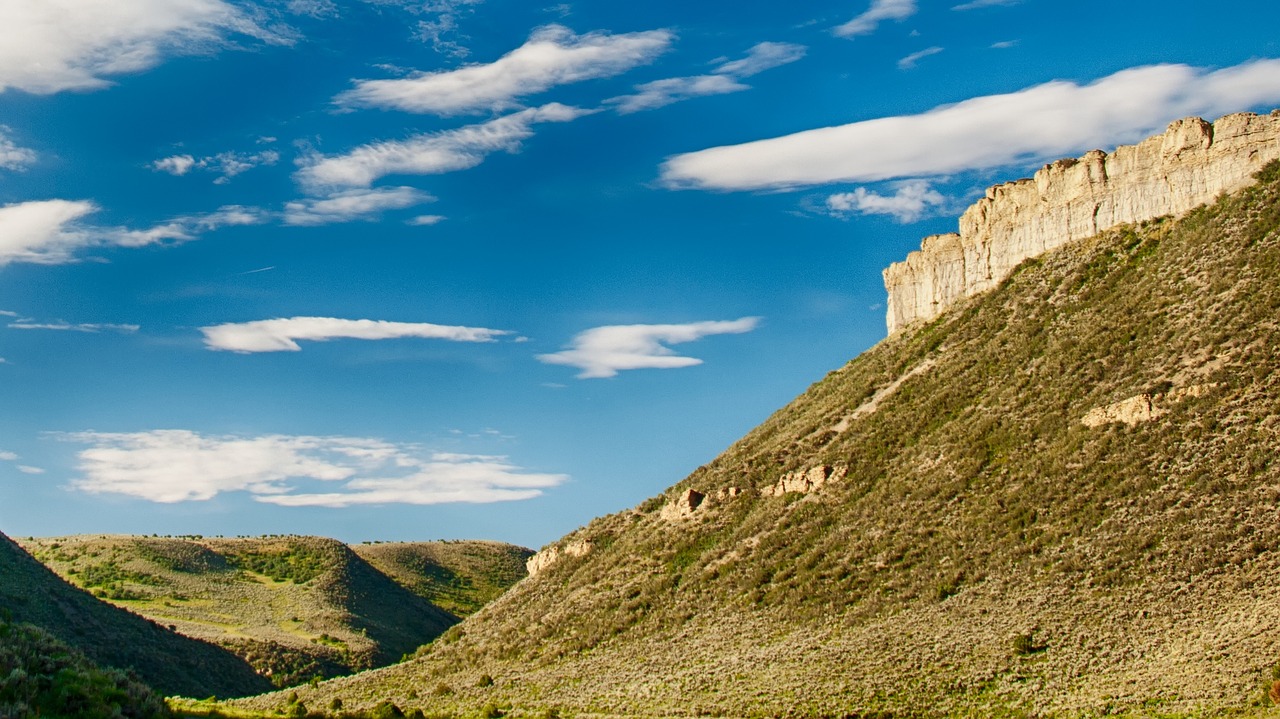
(51,232)
(282,335)
(880,10)
(170,466)
(348,205)
(605,351)
(225,164)
(660,93)
(1038,123)
(48,46)
(914,58)
(429,154)
(552,56)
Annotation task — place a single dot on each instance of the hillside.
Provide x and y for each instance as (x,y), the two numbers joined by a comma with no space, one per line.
(42,677)
(294,607)
(457,576)
(112,637)
(1057,498)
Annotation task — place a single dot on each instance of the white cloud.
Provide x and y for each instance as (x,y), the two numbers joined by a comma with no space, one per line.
(28,469)
(13,157)
(427,220)
(51,231)
(604,351)
(660,93)
(225,164)
(880,10)
(429,154)
(1004,44)
(348,205)
(975,4)
(281,334)
(180,465)
(909,202)
(79,327)
(910,61)
(176,165)
(8,456)
(552,56)
(762,56)
(43,231)
(1035,124)
(48,46)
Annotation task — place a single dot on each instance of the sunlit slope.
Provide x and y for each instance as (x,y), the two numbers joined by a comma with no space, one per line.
(458,576)
(294,607)
(1058,497)
(112,637)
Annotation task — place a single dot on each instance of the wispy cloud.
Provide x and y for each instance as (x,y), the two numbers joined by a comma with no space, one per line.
(48,46)
(28,469)
(443,32)
(53,231)
(348,205)
(910,61)
(429,154)
(7,456)
(427,220)
(1038,123)
(975,4)
(660,93)
(910,201)
(604,351)
(13,157)
(1004,44)
(880,10)
(64,326)
(225,164)
(181,465)
(552,56)
(282,334)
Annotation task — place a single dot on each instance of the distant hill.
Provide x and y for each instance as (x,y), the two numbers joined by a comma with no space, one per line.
(113,637)
(458,576)
(1058,497)
(294,607)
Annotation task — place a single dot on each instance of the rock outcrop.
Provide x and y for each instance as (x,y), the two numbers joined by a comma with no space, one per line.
(807,480)
(1141,408)
(1189,165)
(683,506)
(539,562)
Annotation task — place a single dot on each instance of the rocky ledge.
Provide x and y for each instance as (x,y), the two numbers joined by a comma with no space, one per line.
(1189,165)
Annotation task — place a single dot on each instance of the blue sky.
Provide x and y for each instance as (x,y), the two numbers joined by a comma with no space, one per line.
(393,269)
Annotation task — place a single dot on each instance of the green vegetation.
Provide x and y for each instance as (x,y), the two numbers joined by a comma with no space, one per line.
(985,552)
(42,677)
(457,576)
(294,608)
(114,637)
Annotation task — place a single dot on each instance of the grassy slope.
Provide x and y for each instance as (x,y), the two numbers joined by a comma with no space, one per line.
(110,636)
(987,554)
(295,607)
(43,677)
(458,576)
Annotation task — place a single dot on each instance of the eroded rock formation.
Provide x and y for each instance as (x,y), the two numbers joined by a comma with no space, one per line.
(1169,174)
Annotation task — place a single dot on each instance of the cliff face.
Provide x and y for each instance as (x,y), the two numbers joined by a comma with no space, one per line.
(1169,174)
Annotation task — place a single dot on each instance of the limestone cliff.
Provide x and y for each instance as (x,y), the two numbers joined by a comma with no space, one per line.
(1190,164)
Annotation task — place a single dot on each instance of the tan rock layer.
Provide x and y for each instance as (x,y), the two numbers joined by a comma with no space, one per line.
(1169,174)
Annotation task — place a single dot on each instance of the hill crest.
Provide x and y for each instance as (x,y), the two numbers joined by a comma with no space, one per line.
(1188,165)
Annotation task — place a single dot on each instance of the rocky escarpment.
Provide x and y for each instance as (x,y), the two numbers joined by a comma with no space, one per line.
(1193,162)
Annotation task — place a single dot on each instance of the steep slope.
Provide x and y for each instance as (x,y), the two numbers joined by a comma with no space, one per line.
(169,662)
(294,607)
(42,677)
(457,576)
(1057,498)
